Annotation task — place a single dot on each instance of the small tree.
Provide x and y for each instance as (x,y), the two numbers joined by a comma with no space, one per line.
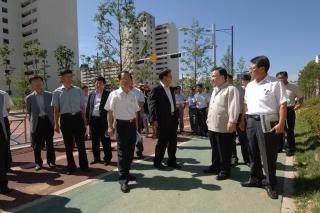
(196,63)
(308,78)
(241,65)
(64,57)
(5,52)
(226,61)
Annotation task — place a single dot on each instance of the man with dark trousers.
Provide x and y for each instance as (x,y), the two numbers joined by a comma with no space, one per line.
(3,149)
(295,100)
(222,119)
(265,107)
(98,123)
(7,104)
(123,108)
(41,121)
(68,103)
(164,118)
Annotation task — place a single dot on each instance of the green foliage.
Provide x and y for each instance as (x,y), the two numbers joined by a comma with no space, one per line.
(196,63)
(64,57)
(5,52)
(307,161)
(226,61)
(308,78)
(311,114)
(22,84)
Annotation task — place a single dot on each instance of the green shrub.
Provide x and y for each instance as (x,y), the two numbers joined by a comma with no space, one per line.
(311,114)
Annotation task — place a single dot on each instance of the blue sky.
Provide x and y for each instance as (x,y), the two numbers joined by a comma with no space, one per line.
(287,31)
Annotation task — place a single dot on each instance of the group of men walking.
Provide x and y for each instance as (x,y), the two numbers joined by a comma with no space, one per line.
(229,110)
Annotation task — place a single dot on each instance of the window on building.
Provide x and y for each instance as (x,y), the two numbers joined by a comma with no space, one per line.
(25,24)
(25,34)
(5,20)
(5,1)
(25,3)
(35,30)
(5,41)
(34,10)
(25,14)
(4,30)
(5,10)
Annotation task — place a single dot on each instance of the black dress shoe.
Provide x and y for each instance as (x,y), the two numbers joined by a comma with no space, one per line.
(38,167)
(106,163)
(223,176)
(174,165)
(289,153)
(159,166)
(10,170)
(124,187)
(211,171)
(4,190)
(86,169)
(251,183)
(131,178)
(272,193)
(52,165)
(70,172)
(95,162)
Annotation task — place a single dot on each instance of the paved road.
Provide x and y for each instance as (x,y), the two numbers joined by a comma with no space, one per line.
(186,190)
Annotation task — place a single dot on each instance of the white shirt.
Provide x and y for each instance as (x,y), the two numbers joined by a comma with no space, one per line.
(293,92)
(123,105)
(96,104)
(265,96)
(7,103)
(138,94)
(201,100)
(168,92)
(40,102)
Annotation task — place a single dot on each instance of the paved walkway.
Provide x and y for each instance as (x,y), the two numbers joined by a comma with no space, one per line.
(186,190)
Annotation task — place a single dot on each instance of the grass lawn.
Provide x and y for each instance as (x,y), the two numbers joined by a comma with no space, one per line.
(307,164)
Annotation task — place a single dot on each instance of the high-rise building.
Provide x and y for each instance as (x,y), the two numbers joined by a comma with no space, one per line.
(108,71)
(160,40)
(45,23)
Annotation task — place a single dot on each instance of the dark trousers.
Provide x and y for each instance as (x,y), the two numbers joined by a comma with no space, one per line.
(8,151)
(291,143)
(126,134)
(139,144)
(243,139)
(192,119)
(202,121)
(221,145)
(3,159)
(43,134)
(167,138)
(262,146)
(98,129)
(73,130)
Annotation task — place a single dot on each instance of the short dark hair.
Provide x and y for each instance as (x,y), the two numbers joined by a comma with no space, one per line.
(164,73)
(222,71)
(246,77)
(84,87)
(34,77)
(101,78)
(230,76)
(67,71)
(124,72)
(261,61)
(284,73)
(200,85)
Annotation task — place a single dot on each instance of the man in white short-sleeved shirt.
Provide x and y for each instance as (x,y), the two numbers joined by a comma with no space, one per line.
(122,107)
(295,100)
(265,95)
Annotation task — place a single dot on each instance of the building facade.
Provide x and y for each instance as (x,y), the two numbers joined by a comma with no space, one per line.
(154,39)
(44,23)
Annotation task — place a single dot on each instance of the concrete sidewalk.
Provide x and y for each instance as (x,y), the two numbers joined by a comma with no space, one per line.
(186,190)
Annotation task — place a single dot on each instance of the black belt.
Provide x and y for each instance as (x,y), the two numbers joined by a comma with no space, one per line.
(256,117)
(71,114)
(43,117)
(126,121)
(290,107)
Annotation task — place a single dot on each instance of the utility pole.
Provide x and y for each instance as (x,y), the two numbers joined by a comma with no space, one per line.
(232,61)
(214,55)
(120,35)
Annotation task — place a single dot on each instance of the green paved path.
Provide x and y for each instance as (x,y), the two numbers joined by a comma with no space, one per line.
(186,190)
